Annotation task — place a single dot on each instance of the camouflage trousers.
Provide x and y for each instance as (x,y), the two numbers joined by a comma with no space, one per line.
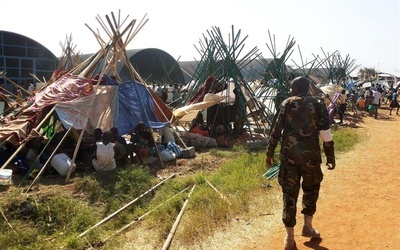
(289,178)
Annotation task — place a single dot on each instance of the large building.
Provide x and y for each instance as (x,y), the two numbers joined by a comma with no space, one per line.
(155,67)
(20,57)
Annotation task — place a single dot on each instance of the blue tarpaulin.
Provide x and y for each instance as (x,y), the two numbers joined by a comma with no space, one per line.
(135,104)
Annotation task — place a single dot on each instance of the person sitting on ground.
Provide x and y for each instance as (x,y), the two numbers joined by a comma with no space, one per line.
(198,130)
(199,120)
(121,153)
(33,146)
(143,142)
(104,158)
(98,136)
(198,126)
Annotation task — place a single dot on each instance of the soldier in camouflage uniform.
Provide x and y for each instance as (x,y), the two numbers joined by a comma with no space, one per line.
(300,121)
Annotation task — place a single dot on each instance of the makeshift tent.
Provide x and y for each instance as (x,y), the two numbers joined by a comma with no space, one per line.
(220,62)
(105,106)
(81,105)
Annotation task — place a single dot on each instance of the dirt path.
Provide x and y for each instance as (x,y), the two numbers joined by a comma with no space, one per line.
(359,205)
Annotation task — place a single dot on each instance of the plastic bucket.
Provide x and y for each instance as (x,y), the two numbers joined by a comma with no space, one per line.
(61,163)
(5,176)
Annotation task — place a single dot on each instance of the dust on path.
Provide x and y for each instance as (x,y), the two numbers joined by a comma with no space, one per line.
(359,204)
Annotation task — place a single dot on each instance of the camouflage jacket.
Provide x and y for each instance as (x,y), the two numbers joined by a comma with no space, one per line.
(298,122)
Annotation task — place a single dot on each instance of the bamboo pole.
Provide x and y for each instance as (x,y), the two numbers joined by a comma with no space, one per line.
(41,153)
(16,85)
(216,190)
(159,160)
(78,144)
(4,89)
(45,118)
(177,221)
(48,161)
(125,206)
(141,217)
(24,142)
(8,223)
(9,108)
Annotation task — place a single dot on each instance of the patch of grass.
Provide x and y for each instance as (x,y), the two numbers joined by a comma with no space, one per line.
(44,222)
(345,139)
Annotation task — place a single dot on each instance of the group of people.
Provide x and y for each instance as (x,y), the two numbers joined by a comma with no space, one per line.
(373,97)
(202,135)
(168,94)
(111,149)
(369,99)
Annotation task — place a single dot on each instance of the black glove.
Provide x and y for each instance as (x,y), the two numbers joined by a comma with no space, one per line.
(329,150)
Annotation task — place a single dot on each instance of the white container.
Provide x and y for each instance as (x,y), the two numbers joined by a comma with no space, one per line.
(61,163)
(5,176)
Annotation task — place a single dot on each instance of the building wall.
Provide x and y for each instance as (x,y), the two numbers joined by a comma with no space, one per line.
(20,57)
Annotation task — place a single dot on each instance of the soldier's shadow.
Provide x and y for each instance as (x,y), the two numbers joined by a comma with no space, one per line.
(315,243)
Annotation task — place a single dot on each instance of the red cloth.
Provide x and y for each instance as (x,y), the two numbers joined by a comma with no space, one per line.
(197,130)
(198,97)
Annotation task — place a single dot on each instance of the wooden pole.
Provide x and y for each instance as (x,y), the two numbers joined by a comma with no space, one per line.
(41,153)
(178,219)
(48,161)
(24,143)
(141,217)
(13,155)
(15,84)
(216,190)
(45,118)
(78,144)
(8,223)
(159,160)
(4,89)
(125,206)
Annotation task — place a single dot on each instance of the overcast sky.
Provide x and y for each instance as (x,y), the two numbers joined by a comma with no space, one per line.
(366,30)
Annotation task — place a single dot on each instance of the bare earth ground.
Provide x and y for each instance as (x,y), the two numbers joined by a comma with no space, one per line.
(359,203)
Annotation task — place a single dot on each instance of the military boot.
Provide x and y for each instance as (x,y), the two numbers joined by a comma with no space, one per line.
(308,230)
(289,239)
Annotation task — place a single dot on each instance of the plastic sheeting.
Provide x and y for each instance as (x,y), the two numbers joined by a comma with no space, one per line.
(135,104)
(115,105)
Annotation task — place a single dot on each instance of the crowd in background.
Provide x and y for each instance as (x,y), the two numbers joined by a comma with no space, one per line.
(358,98)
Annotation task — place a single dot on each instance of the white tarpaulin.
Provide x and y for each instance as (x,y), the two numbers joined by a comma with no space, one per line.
(189,112)
(331,89)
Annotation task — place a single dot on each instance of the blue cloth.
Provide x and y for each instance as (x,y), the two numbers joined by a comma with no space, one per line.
(135,104)
(174,148)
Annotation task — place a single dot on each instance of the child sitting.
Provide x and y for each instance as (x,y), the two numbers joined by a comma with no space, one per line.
(104,154)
